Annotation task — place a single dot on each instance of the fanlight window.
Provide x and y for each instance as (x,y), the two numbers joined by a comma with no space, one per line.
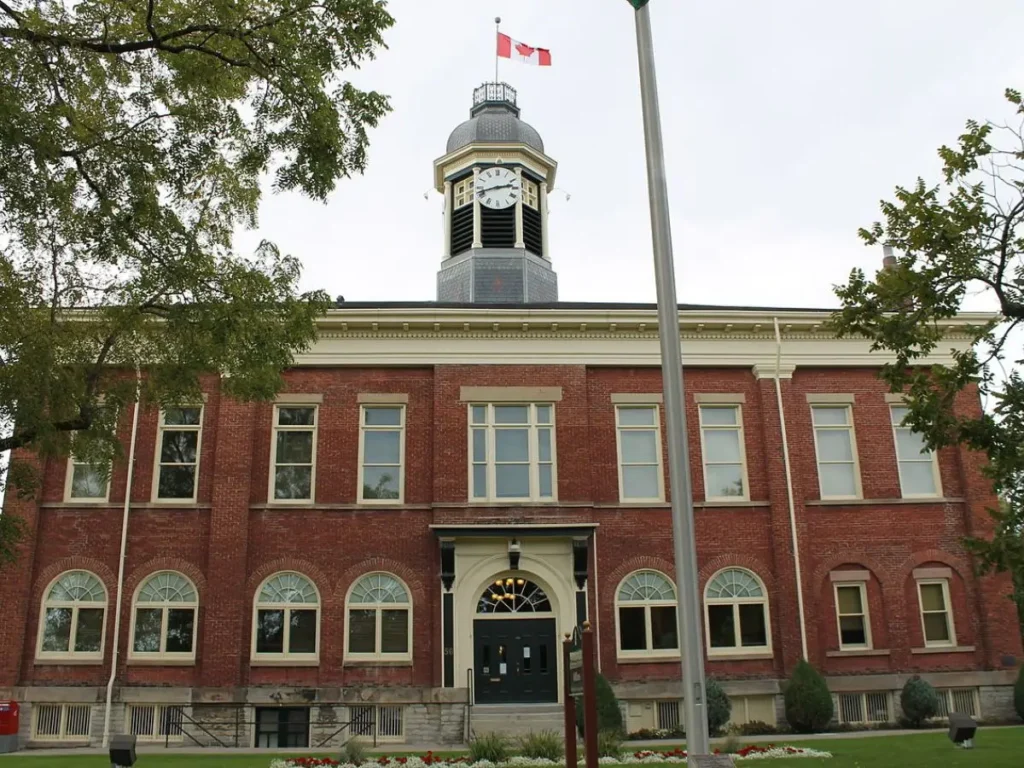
(165,616)
(513,595)
(734,583)
(646,612)
(72,617)
(736,613)
(379,619)
(287,618)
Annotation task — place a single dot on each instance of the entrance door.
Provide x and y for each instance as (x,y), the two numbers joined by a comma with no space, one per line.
(515,660)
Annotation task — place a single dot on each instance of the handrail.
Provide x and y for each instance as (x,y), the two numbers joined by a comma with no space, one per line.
(197,724)
(469,704)
(373,722)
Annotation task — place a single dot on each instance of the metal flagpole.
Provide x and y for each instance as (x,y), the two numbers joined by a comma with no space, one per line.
(497,58)
(684,540)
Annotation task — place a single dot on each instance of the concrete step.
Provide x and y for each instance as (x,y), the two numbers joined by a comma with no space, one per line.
(517,719)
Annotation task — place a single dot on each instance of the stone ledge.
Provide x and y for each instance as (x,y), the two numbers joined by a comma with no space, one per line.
(944,649)
(862,652)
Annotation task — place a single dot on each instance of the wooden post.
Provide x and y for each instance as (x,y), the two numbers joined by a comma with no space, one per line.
(570,704)
(589,697)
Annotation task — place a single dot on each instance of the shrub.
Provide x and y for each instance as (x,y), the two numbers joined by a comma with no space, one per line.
(354,752)
(545,744)
(493,747)
(808,702)
(731,745)
(609,716)
(609,744)
(757,728)
(919,701)
(718,706)
(1018,694)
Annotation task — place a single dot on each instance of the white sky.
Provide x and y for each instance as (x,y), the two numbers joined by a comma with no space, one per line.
(785,123)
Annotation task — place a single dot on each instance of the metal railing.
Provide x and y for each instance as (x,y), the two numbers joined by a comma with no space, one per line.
(469,704)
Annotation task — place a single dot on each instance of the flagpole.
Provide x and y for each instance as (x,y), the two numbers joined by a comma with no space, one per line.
(683,536)
(497,58)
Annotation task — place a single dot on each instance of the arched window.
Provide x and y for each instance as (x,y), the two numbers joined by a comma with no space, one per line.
(513,595)
(646,610)
(71,623)
(736,613)
(164,623)
(379,619)
(286,624)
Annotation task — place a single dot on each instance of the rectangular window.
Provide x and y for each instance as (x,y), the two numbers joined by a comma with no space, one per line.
(838,475)
(512,452)
(859,708)
(178,444)
(668,715)
(639,436)
(463,192)
(155,722)
(530,195)
(852,615)
(282,727)
(293,453)
(86,482)
(386,721)
(721,438)
(936,615)
(382,449)
(60,722)
(918,467)
(958,700)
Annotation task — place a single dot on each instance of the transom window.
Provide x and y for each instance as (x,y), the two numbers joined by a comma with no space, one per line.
(71,623)
(838,475)
(530,193)
(381,453)
(936,615)
(646,612)
(379,619)
(165,617)
(513,594)
(639,442)
(293,470)
(512,452)
(736,612)
(918,467)
(852,615)
(177,470)
(463,192)
(286,624)
(721,436)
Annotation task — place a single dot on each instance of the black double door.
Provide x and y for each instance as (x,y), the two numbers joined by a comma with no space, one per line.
(515,660)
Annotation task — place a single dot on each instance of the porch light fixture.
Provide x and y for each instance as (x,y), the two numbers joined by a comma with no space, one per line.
(514,551)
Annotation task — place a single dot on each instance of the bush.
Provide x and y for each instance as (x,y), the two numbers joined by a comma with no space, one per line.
(757,728)
(808,702)
(609,744)
(731,745)
(493,747)
(1018,694)
(919,701)
(354,752)
(718,706)
(609,716)
(545,744)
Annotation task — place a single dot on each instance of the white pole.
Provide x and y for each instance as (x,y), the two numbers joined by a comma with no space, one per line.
(683,537)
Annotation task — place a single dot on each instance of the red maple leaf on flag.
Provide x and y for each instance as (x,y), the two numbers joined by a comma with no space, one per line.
(524,50)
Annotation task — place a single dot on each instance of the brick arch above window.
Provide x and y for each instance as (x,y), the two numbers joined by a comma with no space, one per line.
(848,561)
(947,559)
(75,563)
(641,563)
(147,569)
(306,569)
(743,562)
(380,565)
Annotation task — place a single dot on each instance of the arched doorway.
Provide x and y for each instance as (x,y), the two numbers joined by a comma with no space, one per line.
(515,645)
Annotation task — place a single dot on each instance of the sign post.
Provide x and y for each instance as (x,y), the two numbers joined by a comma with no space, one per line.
(589,697)
(572,662)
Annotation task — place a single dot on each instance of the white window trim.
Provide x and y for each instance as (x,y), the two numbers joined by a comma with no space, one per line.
(899,462)
(363,429)
(69,475)
(859,491)
(738,426)
(658,450)
(274,428)
(491,463)
(64,714)
(649,653)
(162,654)
(70,654)
(866,613)
(159,712)
(161,428)
(285,657)
(735,602)
(948,604)
(378,655)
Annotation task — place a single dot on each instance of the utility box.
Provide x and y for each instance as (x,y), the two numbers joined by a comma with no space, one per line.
(10,722)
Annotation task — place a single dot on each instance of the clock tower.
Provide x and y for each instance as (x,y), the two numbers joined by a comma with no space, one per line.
(495,179)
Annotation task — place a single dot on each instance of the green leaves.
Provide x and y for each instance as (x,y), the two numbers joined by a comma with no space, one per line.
(638,4)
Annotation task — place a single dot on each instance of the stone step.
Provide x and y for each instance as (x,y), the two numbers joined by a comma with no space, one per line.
(517,719)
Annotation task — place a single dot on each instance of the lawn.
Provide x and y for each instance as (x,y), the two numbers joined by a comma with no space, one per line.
(1001,748)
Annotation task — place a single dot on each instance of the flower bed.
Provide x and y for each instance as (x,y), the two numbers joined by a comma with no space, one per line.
(642,757)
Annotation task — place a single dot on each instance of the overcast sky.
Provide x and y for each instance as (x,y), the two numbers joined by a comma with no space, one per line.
(785,123)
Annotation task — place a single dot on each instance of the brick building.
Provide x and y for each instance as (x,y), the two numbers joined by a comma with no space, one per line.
(443,489)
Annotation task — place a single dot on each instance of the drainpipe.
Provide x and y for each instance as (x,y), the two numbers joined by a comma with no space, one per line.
(121,559)
(789,492)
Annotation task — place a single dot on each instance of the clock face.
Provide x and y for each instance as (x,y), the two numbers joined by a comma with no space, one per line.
(497,188)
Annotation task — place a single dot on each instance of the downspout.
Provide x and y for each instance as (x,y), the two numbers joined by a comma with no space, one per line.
(789,492)
(121,559)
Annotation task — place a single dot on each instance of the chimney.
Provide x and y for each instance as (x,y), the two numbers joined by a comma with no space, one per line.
(888,259)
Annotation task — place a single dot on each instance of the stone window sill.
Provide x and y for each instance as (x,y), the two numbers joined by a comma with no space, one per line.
(725,504)
(858,652)
(376,663)
(880,502)
(69,662)
(284,662)
(653,659)
(168,662)
(740,656)
(944,649)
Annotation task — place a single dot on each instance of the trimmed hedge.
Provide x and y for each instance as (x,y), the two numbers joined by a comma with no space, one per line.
(808,701)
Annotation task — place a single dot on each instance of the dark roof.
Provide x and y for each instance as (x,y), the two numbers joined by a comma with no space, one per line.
(570,305)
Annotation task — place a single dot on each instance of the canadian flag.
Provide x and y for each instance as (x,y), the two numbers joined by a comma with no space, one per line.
(513,49)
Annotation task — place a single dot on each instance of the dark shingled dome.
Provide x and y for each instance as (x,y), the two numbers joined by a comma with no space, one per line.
(494,119)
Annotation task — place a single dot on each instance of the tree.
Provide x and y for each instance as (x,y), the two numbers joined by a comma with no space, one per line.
(133,141)
(958,237)
(919,701)
(718,705)
(808,701)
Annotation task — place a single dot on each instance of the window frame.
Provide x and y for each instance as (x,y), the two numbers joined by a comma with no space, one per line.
(285,657)
(738,427)
(619,407)
(274,429)
(378,655)
(463,190)
(490,462)
(738,649)
(933,456)
(948,611)
(69,484)
(62,727)
(71,656)
(858,487)
(163,656)
(161,715)
(363,430)
(162,428)
(649,653)
(865,615)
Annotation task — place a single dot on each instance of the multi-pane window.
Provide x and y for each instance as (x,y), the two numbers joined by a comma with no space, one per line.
(919,471)
(512,452)
(858,708)
(721,435)
(530,193)
(71,624)
(838,475)
(646,610)
(382,722)
(155,722)
(639,435)
(381,452)
(286,622)
(736,609)
(177,469)
(293,472)
(60,722)
(936,615)
(86,481)
(165,618)
(958,700)
(379,619)
(852,615)
(463,192)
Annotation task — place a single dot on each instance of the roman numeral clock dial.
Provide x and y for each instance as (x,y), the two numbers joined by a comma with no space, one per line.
(497,188)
